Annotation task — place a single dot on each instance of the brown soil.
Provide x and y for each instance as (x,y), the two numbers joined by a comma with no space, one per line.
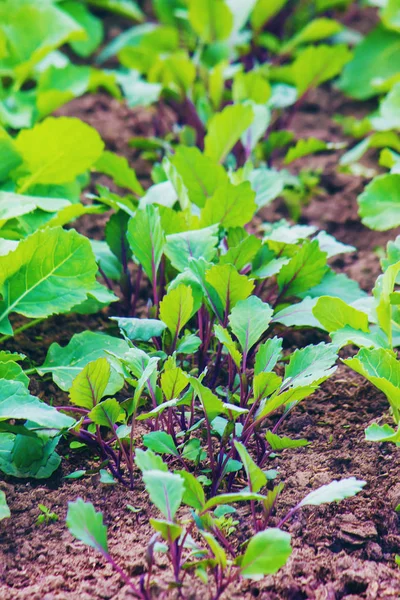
(340,551)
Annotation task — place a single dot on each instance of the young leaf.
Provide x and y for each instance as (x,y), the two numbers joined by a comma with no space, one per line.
(266,553)
(335,491)
(173,382)
(304,148)
(305,270)
(230,206)
(194,494)
(255,476)
(379,204)
(334,314)
(146,239)
(86,524)
(212,405)
(57,150)
(216,548)
(280,443)
(90,384)
(200,243)
(107,413)
(141,330)
(165,491)
(169,531)
(249,320)
(211,20)
(225,129)
(48,273)
(176,308)
(264,10)
(118,169)
(223,336)
(92,25)
(244,496)
(25,456)
(229,285)
(147,460)
(310,365)
(4,510)
(314,31)
(160,442)
(268,355)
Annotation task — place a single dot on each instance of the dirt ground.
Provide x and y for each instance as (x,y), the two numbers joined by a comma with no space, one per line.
(339,551)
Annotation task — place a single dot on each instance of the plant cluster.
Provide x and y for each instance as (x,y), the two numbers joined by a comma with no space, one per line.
(187,390)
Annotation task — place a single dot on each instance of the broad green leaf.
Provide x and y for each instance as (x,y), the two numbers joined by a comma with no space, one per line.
(48,273)
(57,150)
(266,553)
(265,384)
(304,270)
(92,25)
(140,329)
(107,413)
(241,254)
(230,498)
(264,10)
(304,148)
(317,64)
(160,442)
(379,204)
(250,86)
(10,369)
(337,285)
(268,355)
(173,382)
(335,491)
(212,405)
(169,531)
(10,158)
(197,173)
(255,476)
(86,524)
(90,384)
(390,14)
(314,31)
(249,319)
(199,269)
(4,510)
(147,460)
(200,243)
(310,365)
(375,60)
(225,129)
(194,494)
(25,456)
(17,403)
(381,368)
(146,239)
(15,205)
(223,336)
(331,246)
(334,314)
(298,315)
(165,491)
(348,336)
(280,443)
(381,433)
(230,206)
(118,169)
(211,20)
(65,363)
(176,308)
(229,285)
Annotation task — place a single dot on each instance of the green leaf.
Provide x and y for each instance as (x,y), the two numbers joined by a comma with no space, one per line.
(169,531)
(388,115)
(266,553)
(91,24)
(64,363)
(229,285)
(124,8)
(335,491)
(299,314)
(147,460)
(198,174)
(304,148)
(280,443)
(25,456)
(230,498)
(146,239)
(230,206)
(165,491)
(241,254)
(90,384)
(249,320)
(383,293)
(173,382)
(176,308)
(211,20)
(212,405)
(4,510)
(118,169)
(194,494)
(141,330)
(107,413)
(160,442)
(381,368)
(225,129)
(223,336)
(255,476)
(310,365)
(200,243)
(86,524)
(250,86)
(375,59)
(381,433)
(217,550)
(268,355)
(314,31)
(379,204)
(334,314)
(304,270)
(264,10)
(57,150)
(265,384)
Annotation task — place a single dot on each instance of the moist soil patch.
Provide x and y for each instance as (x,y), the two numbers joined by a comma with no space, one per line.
(339,551)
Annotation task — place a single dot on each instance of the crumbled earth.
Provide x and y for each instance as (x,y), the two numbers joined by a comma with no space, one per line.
(339,551)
